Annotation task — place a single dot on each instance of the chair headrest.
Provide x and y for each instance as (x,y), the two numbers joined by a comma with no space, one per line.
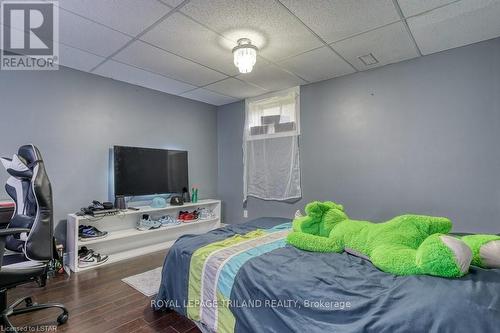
(17,167)
(29,153)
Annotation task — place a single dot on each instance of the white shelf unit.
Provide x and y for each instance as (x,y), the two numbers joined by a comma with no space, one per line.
(124,241)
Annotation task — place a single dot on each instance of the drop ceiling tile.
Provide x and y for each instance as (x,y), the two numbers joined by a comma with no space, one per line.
(333,20)
(181,35)
(158,61)
(458,24)
(317,65)
(122,72)
(270,77)
(77,59)
(412,7)
(172,3)
(235,88)
(81,33)
(209,97)
(128,16)
(270,26)
(388,45)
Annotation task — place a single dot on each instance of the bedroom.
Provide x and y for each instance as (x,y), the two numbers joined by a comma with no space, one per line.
(160,154)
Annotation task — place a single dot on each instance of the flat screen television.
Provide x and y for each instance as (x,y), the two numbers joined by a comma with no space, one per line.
(145,171)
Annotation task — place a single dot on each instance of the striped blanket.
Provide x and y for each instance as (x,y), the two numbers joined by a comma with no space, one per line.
(200,270)
(213,269)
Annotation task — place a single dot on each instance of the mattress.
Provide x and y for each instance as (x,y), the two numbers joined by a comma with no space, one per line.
(245,278)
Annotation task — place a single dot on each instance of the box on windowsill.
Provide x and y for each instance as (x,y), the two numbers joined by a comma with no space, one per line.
(259,130)
(270,120)
(284,127)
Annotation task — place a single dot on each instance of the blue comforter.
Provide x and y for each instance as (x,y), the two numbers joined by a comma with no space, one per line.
(289,290)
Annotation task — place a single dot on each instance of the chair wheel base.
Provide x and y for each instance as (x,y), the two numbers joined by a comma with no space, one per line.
(62,319)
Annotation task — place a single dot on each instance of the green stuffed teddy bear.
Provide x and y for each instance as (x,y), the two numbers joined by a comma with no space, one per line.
(405,245)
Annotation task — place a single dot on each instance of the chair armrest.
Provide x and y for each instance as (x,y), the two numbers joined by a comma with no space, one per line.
(12,231)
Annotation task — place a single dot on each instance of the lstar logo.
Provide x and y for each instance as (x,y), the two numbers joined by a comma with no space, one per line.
(29,32)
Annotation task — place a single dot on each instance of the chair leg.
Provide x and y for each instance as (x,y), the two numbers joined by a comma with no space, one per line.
(27,300)
(31,307)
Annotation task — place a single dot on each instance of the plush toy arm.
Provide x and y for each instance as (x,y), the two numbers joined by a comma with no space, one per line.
(313,243)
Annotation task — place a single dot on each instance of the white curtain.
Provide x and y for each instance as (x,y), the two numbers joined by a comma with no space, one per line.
(271,146)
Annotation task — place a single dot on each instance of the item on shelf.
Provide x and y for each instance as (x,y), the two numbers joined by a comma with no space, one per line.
(168,220)
(205,213)
(188,216)
(185,195)
(146,223)
(96,205)
(120,202)
(98,209)
(87,257)
(194,195)
(87,233)
(107,205)
(158,202)
(176,200)
(104,212)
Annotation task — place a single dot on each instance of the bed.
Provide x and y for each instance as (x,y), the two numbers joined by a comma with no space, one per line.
(245,278)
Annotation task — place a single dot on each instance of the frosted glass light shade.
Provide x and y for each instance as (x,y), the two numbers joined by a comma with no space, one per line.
(245,55)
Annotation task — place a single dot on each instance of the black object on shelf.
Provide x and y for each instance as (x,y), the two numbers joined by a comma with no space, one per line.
(120,202)
(185,195)
(176,200)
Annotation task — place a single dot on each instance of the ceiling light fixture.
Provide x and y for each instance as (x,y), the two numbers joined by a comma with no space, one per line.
(245,55)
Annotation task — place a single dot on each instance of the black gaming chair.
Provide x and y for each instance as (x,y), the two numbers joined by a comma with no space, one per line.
(29,235)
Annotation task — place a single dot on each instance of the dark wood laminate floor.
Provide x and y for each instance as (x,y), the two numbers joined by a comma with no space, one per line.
(98,301)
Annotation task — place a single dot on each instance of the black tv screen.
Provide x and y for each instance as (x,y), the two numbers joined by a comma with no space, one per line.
(143,171)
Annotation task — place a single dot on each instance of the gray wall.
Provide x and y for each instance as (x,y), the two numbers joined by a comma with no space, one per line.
(74,118)
(420,136)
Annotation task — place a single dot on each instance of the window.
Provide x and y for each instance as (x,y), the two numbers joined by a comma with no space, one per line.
(273,115)
(271,146)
